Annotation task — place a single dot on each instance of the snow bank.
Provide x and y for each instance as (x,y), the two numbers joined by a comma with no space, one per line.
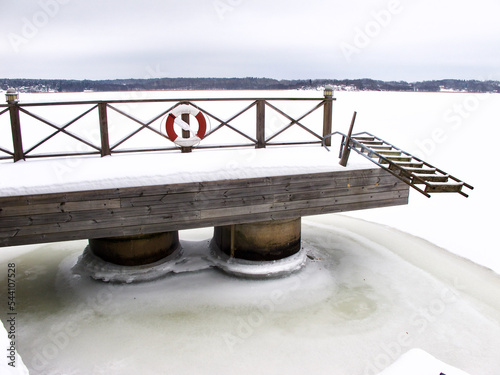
(418,362)
(9,365)
(355,307)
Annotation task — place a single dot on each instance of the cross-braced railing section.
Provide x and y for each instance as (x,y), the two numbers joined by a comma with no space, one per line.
(112,127)
(225,133)
(318,139)
(70,144)
(33,135)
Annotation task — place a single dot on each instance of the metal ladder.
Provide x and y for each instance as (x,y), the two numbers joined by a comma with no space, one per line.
(420,175)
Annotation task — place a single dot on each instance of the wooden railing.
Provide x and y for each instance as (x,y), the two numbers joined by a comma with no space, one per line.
(105,147)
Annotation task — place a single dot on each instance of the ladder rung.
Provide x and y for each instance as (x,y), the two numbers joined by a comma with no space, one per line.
(411,164)
(420,170)
(409,170)
(368,150)
(389,152)
(373,143)
(382,148)
(402,159)
(433,177)
(363,139)
(450,187)
(399,160)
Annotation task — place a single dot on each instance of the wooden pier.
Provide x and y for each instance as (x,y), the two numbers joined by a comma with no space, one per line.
(150,209)
(274,200)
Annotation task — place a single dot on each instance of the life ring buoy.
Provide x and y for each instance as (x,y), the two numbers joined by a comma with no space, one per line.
(173,118)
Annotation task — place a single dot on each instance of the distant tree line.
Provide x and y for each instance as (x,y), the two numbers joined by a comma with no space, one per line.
(249,83)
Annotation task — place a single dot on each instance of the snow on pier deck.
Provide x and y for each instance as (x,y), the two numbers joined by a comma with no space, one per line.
(68,199)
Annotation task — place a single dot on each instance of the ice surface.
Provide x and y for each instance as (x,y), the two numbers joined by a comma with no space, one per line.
(355,307)
(418,362)
(367,295)
(17,366)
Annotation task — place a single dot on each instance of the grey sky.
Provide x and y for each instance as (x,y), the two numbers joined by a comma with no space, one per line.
(285,39)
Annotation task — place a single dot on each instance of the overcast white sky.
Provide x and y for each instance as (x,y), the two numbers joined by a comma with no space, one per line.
(284,39)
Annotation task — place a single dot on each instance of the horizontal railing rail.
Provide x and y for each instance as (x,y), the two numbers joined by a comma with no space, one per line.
(104,147)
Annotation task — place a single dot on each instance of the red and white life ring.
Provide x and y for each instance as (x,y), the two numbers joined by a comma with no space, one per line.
(174,118)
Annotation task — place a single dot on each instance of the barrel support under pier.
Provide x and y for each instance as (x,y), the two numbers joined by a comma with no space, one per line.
(135,250)
(130,258)
(255,250)
(260,249)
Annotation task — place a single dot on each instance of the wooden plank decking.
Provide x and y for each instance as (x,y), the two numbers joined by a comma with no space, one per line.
(149,209)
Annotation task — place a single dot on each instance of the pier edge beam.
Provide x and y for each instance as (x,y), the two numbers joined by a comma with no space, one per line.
(260,241)
(135,250)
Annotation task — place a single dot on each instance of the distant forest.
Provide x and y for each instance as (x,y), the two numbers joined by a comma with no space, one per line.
(249,83)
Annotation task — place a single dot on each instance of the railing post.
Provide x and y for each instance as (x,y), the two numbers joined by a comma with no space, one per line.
(327,114)
(103,125)
(12,97)
(261,124)
(17,139)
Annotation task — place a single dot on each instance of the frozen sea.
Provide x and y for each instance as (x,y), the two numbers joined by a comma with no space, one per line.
(381,287)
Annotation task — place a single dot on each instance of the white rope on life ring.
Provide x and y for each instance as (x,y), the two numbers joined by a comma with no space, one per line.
(174,118)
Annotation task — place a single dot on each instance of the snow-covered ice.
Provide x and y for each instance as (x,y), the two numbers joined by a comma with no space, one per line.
(391,286)
(13,363)
(357,305)
(418,362)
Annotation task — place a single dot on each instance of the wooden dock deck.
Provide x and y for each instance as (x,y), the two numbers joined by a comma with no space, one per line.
(40,218)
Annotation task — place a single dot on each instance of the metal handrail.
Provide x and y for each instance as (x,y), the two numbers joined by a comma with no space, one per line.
(342,142)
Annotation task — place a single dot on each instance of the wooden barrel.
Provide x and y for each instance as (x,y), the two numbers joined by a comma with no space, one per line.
(135,250)
(260,241)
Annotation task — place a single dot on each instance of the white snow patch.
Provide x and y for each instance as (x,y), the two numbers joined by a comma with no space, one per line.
(94,173)
(9,365)
(91,265)
(418,362)
(354,308)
